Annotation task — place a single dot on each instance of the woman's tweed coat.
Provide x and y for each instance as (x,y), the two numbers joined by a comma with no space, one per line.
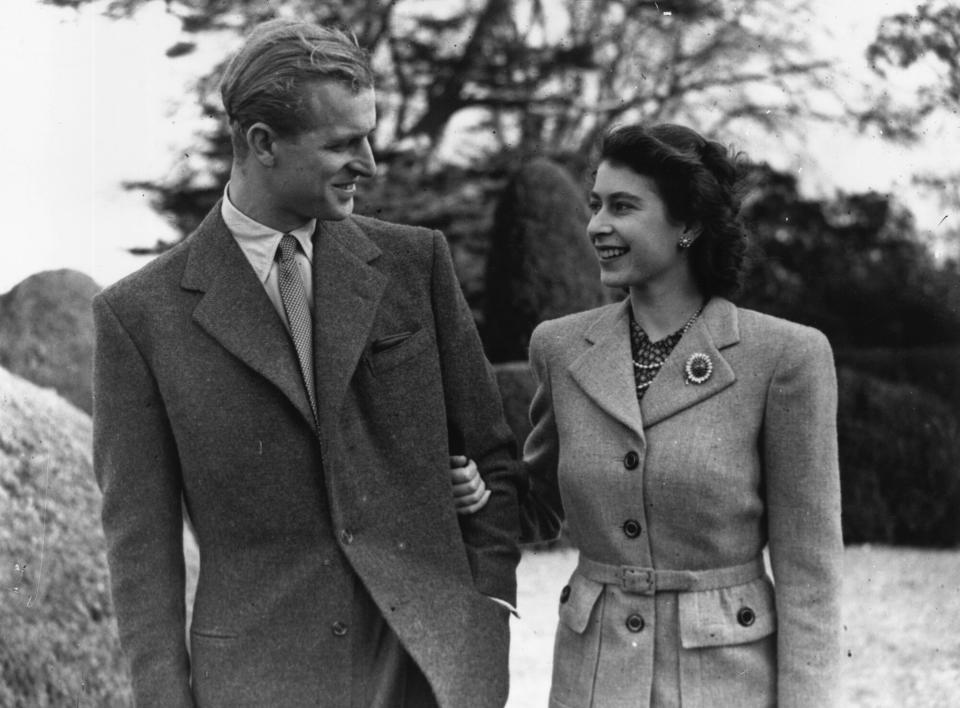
(696,477)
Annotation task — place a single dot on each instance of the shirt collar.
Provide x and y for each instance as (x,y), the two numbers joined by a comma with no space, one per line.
(258,241)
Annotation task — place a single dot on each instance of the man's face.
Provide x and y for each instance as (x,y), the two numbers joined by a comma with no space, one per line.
(315,173)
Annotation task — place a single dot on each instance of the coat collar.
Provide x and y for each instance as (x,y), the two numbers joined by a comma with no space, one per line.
(236,311)
(717,328)
(605,372)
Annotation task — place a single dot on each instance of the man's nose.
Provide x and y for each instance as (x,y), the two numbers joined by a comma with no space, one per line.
(363,161)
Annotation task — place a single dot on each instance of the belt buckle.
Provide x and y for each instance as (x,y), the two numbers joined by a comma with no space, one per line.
(638,581)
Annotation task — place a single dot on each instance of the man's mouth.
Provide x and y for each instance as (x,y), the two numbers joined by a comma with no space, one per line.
(348,187)
(607,253)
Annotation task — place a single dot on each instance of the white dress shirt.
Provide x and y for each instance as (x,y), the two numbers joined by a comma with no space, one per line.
(259,244)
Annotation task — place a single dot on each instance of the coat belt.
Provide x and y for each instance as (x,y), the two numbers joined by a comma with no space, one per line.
(649,581)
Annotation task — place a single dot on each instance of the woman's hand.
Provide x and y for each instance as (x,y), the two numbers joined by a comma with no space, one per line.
(470,494)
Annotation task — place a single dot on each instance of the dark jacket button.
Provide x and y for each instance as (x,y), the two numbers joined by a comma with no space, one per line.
(631,460)
(565,594)
(339,629)
(746,616)
(635,623)
(631,528)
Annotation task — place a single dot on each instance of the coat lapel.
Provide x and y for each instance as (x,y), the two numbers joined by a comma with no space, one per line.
(605,370)
(347,292)
(236,311)
(670,393)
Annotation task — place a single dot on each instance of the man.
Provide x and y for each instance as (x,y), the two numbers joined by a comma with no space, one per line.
(298,377)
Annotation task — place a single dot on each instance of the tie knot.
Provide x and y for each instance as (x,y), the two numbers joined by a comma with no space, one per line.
(288,247)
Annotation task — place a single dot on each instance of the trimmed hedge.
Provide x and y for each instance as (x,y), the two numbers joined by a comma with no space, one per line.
(899,462)
(933,369)
(541,264)
(58,642)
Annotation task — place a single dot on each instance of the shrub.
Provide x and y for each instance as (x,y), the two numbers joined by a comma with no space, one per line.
(541,264)
(936,370)
(47,326)
(516,389)
(58,643)
(899,463)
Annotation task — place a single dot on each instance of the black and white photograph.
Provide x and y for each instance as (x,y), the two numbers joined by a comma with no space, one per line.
(480,354)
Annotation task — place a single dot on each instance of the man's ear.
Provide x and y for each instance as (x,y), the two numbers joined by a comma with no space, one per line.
(261,142)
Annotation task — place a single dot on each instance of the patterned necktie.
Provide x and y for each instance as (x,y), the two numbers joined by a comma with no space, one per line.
(294,299)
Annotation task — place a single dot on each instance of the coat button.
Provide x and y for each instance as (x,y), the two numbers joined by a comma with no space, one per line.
(565,594)
(631,528)
(631,460)
(635,623)
(746,616)
(339,629)
(346,538)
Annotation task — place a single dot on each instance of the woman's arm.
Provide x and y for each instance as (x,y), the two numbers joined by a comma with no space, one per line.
(803,509)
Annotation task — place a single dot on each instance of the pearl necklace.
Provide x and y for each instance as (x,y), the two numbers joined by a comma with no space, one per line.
(682,331)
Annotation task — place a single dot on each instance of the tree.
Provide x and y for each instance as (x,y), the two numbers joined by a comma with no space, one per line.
(852,266)
(925,42)
(545,77)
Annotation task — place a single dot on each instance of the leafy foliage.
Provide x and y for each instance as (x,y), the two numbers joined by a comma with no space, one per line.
(58,645)
(540,264)
(899,452)
(47,327)
(852,266)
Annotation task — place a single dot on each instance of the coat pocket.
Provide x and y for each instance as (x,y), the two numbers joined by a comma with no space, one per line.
(728,639)
(577,643)
(733,615)
(577,600)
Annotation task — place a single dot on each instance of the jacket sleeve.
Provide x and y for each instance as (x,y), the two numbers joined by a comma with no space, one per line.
(477,428)
(803,508)
(136,464)
(541,509)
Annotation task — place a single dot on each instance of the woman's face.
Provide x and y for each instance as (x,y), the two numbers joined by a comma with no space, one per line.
(635,240)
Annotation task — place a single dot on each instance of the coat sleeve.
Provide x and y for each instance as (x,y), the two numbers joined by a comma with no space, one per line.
(477,428)
(136,464)
(541,509)
(803,508)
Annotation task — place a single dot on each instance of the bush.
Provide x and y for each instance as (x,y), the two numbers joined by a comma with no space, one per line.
(899,463)
(935,370)
(58,642)
(47,326)
(541,264)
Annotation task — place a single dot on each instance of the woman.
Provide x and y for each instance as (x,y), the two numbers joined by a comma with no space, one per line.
(679,435)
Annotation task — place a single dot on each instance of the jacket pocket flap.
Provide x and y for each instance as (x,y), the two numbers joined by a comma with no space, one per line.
(577,601)
(734,615)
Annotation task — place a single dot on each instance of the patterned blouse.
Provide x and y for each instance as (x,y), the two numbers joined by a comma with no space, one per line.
(649,356)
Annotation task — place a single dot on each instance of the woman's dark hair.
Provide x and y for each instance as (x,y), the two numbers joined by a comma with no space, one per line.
(698,180)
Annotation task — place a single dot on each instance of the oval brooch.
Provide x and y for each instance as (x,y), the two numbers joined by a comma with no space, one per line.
(698,368)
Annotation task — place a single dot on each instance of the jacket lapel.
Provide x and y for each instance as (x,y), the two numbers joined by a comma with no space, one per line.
(236,311)
(347,292)
(670,393)
(605,370)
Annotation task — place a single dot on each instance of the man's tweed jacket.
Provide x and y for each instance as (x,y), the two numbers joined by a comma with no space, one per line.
(199,397)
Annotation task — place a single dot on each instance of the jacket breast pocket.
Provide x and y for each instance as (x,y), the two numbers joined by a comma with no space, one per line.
(577,643)
(728,645)
(391,350)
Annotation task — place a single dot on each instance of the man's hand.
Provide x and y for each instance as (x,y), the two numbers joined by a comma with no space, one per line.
(470,494)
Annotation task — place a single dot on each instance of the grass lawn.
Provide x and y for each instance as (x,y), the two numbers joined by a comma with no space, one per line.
(901,627)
